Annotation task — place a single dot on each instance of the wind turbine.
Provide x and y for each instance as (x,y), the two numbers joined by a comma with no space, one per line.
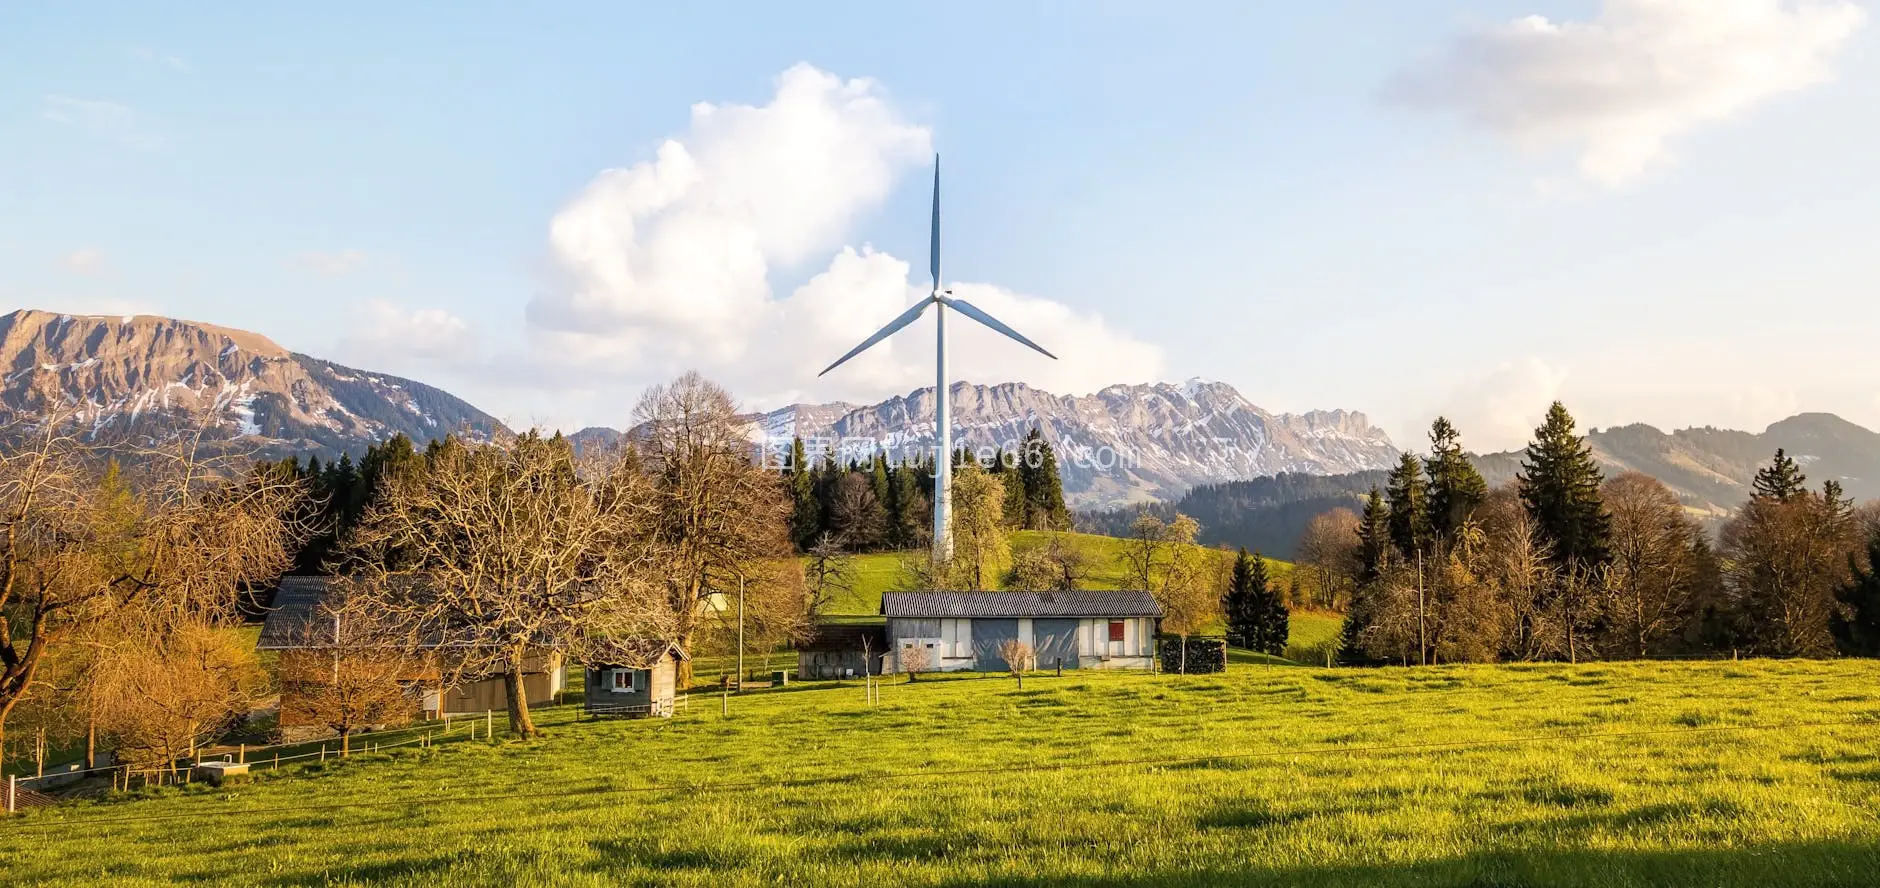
(941,300)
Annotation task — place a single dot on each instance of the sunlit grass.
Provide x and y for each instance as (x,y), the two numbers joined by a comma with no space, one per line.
(1263,775)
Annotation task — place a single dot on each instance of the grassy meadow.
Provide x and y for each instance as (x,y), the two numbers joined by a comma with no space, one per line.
(1622,774)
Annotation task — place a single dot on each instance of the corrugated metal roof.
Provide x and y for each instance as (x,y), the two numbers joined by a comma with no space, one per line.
(1020,604)
(296,604)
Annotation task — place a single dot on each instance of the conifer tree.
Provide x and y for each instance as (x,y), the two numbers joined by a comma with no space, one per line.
(1374,543)
(1272,625)
(1409,508)
(1044,490)
(1009,468)
(1559,483)
(805,510)
(1238,603)
(1857,624)
(1455,487)
(1781,480)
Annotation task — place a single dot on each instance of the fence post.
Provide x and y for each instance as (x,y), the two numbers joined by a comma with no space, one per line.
(13,791)
(489,724)
(242,755)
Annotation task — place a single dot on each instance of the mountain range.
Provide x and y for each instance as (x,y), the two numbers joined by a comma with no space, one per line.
(140,379)
(1124,444)
(143,379)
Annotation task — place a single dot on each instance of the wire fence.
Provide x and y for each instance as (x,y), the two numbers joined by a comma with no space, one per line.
(454,727)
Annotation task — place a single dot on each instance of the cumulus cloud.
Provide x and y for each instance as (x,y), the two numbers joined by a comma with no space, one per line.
(383,331)
(105,120)
(673,263)
(1500,409)
(332,263)
(85,260)
(1619,88)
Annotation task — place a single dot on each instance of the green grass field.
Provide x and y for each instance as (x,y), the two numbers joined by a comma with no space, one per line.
(1594,775)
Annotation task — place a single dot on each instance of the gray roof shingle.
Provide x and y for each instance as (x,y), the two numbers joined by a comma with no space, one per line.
(1020,604)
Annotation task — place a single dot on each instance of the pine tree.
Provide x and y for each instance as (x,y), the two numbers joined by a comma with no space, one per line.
(1559,483)
(1781,480)
(1009,469)
(1044,489)
(1857,624)
(1409,508)
(1274,624)
(1455,488)
(805,510)
(1374,546)
(1238,603)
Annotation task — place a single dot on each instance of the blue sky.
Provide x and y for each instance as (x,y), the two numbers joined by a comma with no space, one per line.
(1657,210)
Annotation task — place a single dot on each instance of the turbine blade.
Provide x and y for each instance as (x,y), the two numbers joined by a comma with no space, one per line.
(933,252)
(967,309)
(907,317)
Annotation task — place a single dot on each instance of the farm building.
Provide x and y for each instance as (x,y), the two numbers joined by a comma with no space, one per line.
(614,687)
(837,651)
(297,627)
(1074,630)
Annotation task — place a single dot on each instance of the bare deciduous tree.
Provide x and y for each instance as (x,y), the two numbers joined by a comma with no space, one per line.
(507,551)
(347,679)
(1329,549)
(716,511)
(1651,584)
(1018,657)
(79,543)
(828,573)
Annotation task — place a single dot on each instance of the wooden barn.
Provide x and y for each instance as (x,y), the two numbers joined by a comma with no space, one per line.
(614,689)
(1071,630)
(837,651)
(295,628)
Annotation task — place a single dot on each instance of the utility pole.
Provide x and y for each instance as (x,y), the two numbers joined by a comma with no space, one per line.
(1423,641)
(740,630)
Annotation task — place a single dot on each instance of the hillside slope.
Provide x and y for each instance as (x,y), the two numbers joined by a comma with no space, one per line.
(144,379)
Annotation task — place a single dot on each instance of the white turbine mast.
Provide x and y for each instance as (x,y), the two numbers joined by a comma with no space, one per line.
(941,300)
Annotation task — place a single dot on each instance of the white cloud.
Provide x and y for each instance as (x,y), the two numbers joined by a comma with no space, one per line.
(1500,409)
(105,120)
(670,264)
(331,263)
(383,331)
(1620,87)
(85,260)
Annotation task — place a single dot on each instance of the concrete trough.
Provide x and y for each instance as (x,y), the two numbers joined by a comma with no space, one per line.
(219,772)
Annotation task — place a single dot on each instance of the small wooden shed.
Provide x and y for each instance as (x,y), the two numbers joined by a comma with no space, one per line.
(617,689)
(836,651)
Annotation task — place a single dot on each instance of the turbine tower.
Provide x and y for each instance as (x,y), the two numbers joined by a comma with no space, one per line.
(941,300)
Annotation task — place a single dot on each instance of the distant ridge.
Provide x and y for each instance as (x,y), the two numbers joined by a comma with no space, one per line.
(143,379)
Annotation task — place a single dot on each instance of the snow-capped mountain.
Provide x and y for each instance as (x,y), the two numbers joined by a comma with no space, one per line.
(141,378)
(1123,444)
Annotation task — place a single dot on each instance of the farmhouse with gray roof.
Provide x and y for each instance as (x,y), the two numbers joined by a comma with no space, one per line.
(1074,630)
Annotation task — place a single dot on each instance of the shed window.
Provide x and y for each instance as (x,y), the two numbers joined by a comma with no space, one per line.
(622,681)
(1116,630)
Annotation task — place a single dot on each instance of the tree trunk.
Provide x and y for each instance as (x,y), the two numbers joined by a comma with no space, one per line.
(345,743)
(91,740)
(513,689)
(682,674)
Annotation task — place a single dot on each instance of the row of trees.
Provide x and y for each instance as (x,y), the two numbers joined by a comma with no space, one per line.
(461,562)
(875,504)
(1567,564)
